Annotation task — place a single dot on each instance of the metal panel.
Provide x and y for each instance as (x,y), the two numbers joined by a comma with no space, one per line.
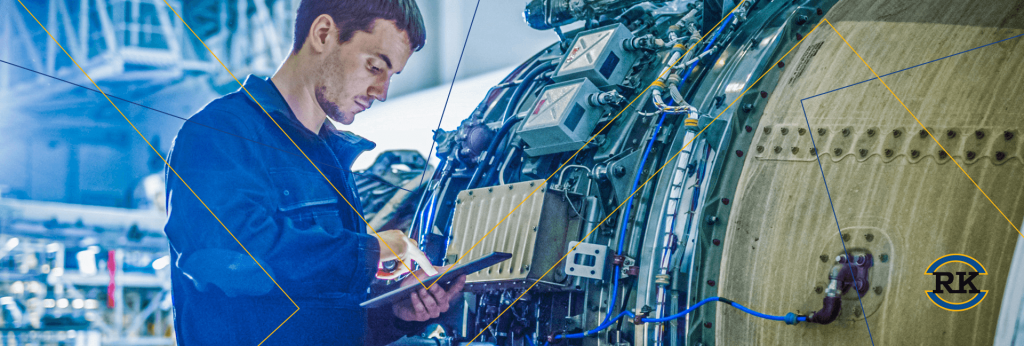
(883,179)
(545,219)
(562,118)
(598,55)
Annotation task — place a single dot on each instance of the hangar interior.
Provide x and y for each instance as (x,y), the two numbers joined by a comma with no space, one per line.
(663,172)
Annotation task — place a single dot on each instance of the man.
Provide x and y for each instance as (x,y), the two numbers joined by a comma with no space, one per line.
(300,228)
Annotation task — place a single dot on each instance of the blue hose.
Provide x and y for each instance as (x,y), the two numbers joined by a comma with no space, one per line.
(706,48)
(789,318)
(639,172)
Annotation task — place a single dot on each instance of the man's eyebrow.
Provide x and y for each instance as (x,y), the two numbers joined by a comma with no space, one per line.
(386,59)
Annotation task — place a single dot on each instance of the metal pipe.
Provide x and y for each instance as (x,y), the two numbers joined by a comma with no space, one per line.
(676,193)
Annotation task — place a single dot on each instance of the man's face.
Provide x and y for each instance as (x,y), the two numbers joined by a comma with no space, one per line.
(359,70)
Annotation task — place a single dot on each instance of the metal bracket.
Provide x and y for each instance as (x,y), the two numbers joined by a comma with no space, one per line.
(586,260)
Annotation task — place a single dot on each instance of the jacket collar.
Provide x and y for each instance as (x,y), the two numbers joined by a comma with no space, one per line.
(347,145)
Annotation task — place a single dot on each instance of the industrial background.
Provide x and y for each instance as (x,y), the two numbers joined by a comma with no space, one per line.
(682,170)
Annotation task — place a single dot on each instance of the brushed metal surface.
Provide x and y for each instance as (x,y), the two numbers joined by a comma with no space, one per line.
(917,207)
(545,219)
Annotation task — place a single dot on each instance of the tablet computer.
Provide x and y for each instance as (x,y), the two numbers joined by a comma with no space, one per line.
(400,293)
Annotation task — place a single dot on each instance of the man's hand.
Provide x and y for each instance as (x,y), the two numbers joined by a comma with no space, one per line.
(422,304)
(406,249)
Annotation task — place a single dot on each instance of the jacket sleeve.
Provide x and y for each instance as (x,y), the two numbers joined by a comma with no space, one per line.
(222,216)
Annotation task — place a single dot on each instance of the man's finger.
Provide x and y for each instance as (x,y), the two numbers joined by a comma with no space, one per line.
(417,304)
(440,296)
(417,256)
(456,288)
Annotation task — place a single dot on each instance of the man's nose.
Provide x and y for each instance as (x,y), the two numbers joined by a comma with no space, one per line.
(379,89)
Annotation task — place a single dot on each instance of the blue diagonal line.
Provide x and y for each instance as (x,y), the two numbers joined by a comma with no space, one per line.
(918,65)
(840,229)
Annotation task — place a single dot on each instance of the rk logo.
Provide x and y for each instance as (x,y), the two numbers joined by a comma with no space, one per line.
(964,282)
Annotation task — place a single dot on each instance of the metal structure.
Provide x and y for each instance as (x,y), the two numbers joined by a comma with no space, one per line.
(142,41)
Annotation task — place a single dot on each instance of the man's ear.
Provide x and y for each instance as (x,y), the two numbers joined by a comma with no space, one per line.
(320,33)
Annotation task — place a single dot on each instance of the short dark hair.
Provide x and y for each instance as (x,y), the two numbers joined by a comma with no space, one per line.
(353,15)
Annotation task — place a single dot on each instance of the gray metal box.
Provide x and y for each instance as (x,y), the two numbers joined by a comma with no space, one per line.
(598,54)
(562,119)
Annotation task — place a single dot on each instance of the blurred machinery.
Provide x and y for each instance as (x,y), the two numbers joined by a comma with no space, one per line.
(83,275)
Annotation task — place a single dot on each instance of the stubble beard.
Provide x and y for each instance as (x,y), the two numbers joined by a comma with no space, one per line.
(330,108)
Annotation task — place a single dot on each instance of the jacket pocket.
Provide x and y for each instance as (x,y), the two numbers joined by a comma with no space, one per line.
(305,197)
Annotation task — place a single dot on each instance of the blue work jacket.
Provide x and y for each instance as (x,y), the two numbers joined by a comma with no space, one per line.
(245,206)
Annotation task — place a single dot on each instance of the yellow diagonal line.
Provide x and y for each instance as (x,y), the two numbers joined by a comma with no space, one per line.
(296,145)
(168,166)
(925,129)
(584,146)
(649,178)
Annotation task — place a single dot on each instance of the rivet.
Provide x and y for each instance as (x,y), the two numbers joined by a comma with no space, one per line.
(846,237)
(760,148)
(710,283)
(707,324)
(856,311)
(510,187)
(888,152)
(1000,155)
(782,64)
(490,189)
(820,12)
(942,154)
(801,131)
(871,132)
(823,258)
(1007,135)
(764,94)
(846,132)
(818,289)
(869,237)
(915,153)
(739,153)
(469,193)
(777,149)
(814,151)
(837,151)
(863,152)
(951,134)
(799,37)
(971,155)
(795,150)
(767,130)
(748,128)
(923,134)
(821,132)
(979,134)
(725,201)
(716,242)
(784,131)
(897,133)
(884,258)
(878,289)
